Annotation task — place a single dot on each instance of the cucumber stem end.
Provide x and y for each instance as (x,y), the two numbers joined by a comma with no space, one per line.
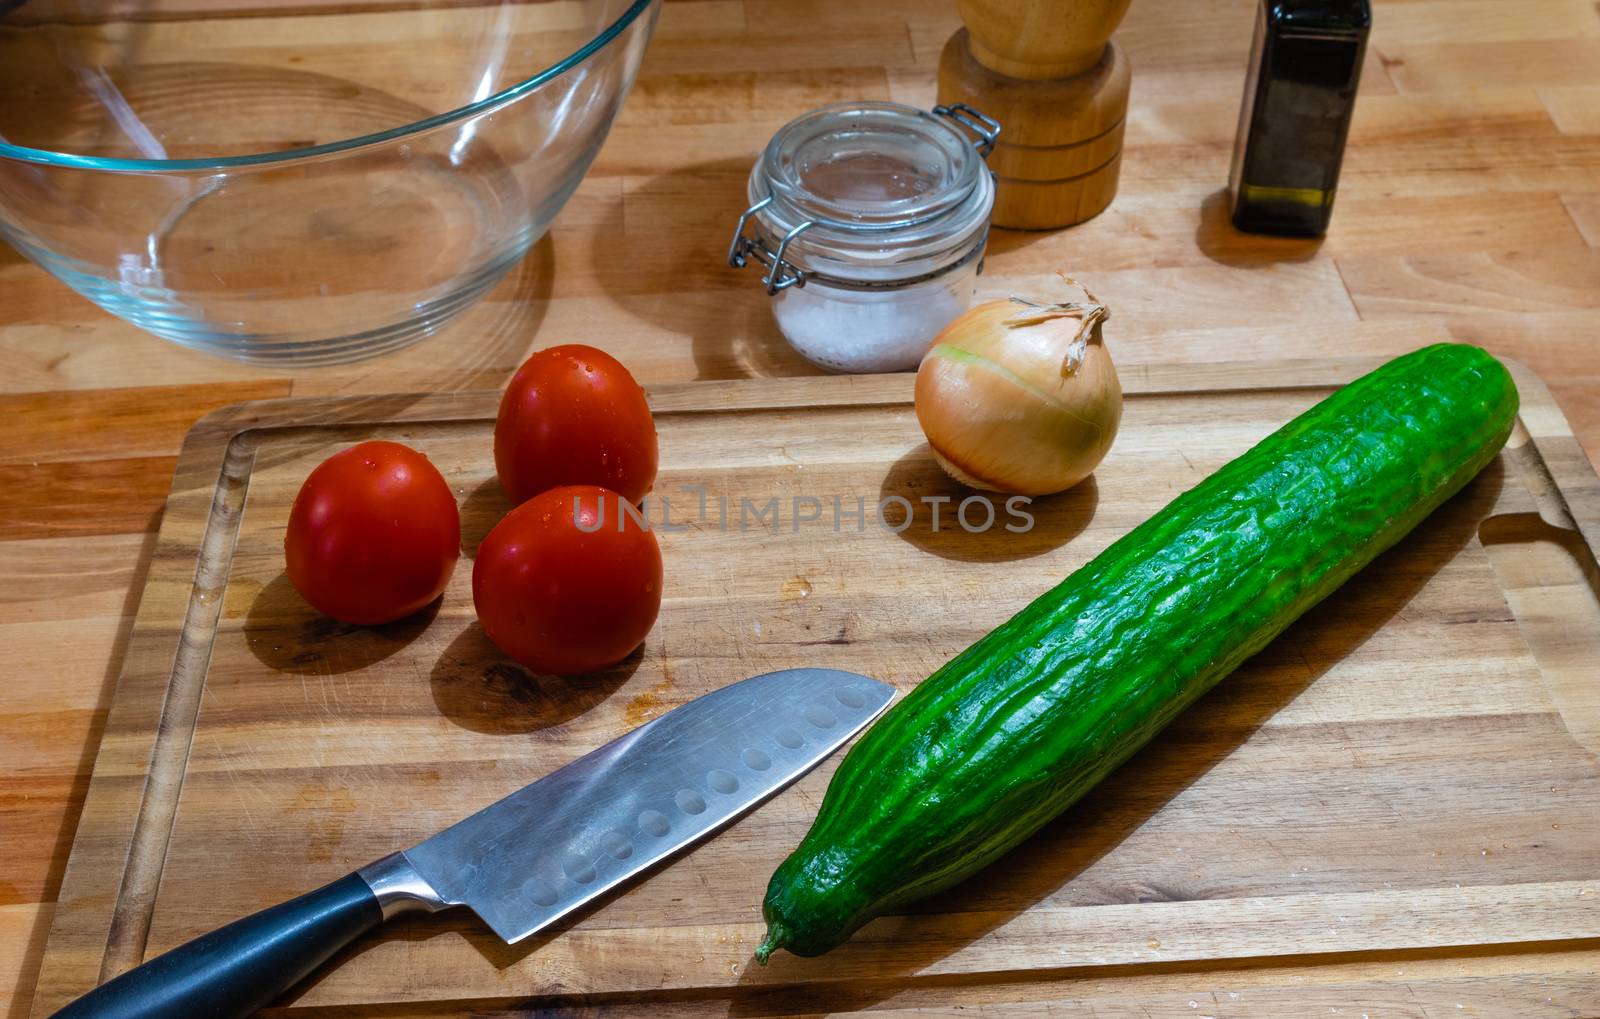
(776,938)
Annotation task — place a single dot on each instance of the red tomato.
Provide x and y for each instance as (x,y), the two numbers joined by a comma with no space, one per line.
(374,534)
(572,415)
(568,582)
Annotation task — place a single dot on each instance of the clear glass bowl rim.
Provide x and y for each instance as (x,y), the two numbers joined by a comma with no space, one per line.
(504,97)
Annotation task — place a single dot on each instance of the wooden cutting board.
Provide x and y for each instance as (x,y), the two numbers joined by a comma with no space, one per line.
(1412,766)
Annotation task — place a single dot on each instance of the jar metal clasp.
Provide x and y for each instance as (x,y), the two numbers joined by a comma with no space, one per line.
(986,128)
(780,275)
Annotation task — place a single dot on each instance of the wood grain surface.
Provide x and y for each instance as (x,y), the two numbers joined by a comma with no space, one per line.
(1398,773)
(1469,209)
(1058,165)
(1047,71)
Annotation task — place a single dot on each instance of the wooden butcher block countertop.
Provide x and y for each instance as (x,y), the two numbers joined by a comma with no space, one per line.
(1469,209)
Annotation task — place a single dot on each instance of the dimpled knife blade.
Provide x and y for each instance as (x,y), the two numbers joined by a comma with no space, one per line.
(533,857)
(573,835)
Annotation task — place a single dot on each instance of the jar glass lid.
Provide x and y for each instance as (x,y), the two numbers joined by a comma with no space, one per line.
(870,166)
(868,193)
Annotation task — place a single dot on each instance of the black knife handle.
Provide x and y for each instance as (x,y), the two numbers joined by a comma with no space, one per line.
(236,970)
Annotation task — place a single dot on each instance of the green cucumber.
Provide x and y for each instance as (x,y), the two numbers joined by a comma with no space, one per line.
(1016,728)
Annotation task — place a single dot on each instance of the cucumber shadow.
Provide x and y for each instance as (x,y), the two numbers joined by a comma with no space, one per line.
(1075,861)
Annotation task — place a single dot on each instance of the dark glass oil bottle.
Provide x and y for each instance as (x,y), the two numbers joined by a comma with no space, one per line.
(1304,70)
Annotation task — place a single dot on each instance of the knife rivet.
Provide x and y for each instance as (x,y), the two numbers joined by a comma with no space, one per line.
(791,739)
(849,698)
(722,781)
(689,801)
(755,760)
(820,717)
(653,822)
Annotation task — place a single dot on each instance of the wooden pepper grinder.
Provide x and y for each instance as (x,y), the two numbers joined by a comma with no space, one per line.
(1048,71)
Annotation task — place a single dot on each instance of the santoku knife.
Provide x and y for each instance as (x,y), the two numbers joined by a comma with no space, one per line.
(533,857)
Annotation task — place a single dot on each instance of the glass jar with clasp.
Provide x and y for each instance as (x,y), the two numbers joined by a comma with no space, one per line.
(870,220)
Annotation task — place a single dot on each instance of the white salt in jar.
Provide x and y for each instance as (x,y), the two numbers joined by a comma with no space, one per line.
(870,220)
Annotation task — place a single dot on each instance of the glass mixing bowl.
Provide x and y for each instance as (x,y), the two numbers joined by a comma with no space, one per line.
(304,187)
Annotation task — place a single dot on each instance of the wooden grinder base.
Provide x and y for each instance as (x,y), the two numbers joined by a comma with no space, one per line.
(1060,149)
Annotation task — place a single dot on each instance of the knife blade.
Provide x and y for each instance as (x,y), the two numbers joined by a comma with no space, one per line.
(549,848)
(535,856)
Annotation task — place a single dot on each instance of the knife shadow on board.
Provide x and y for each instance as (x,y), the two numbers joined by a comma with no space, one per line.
(1046,866)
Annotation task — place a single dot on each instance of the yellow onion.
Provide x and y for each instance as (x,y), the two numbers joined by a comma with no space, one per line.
(1021,397)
